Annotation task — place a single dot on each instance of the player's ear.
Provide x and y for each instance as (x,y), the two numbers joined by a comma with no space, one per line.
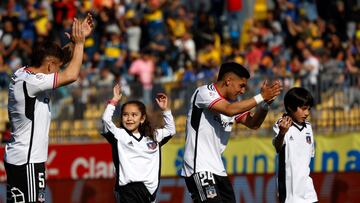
(227,80)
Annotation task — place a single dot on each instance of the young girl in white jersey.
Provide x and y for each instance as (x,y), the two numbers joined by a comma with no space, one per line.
(136,147)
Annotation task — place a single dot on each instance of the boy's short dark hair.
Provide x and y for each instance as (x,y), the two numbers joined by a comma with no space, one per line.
(42,50)
(297,97)
(233,67)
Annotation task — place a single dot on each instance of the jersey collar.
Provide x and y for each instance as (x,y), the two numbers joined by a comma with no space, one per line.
(299,127)
(217,90)
(132,135)
(27,69)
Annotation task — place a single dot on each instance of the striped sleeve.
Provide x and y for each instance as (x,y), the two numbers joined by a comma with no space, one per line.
(41,82)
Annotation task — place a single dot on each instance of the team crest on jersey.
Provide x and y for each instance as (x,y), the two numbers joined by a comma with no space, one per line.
(210,192)
(308,139)
(41,195)
(152,145)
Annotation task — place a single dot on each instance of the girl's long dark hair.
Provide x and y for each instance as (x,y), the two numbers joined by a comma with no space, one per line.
(146,129)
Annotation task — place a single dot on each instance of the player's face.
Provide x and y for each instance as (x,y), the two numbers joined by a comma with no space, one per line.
(237,86)
(131,118)
(301,114)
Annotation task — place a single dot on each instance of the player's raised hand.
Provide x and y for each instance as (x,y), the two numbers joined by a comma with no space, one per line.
(87,25)
(162,101)
(285,124)
(269,93)
(77,33)
(117,93)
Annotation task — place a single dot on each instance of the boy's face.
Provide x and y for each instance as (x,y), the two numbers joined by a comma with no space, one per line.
(300,115)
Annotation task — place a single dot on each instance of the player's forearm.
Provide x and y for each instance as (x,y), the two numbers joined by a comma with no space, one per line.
(72,71)
(240,107)
(258,118)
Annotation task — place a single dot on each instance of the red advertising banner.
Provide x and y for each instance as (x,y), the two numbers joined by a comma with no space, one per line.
(75,161)
(330,188)
(84,173)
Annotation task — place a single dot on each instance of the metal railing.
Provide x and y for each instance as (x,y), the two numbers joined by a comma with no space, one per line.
(77,111)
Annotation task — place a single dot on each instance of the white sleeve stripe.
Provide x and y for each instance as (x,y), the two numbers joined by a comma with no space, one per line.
(214,102)
(55,80)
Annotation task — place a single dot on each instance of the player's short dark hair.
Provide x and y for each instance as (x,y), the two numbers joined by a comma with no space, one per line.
(41,50)
(233,67)
(297,97)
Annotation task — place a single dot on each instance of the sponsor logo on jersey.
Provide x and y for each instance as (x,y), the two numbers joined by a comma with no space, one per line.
(46,100)
(39,76)
(224,124)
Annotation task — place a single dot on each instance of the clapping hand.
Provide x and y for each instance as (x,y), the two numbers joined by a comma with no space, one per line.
(269,93)
(87,26)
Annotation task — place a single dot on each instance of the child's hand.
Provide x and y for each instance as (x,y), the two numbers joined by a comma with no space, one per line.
(162,101)
(285,124)
(117,93)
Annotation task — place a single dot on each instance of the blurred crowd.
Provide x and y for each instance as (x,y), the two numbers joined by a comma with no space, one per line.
(144,41)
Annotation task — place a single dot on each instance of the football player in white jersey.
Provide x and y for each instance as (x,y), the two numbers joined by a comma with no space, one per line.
(30,113)
(136,147)
(294,142)
(214,109)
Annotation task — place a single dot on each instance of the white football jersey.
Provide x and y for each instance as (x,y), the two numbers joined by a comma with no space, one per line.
(30,116)
(137,158)
(207,133)
(294,181)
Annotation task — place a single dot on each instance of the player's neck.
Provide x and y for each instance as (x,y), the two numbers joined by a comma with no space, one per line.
(41,69)
(220,87)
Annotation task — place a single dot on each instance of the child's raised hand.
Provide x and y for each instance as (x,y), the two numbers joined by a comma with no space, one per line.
(285,124)
(162,101)
(117,93)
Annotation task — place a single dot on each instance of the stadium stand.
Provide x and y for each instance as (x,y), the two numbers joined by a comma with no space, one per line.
(186,41)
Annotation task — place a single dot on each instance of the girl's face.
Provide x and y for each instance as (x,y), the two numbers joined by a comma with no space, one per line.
(300,115)
(131,118)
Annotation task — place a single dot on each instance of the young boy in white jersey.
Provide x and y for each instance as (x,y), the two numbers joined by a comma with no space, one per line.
(136,148)
(214,109)
(30,112)
(294,142)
